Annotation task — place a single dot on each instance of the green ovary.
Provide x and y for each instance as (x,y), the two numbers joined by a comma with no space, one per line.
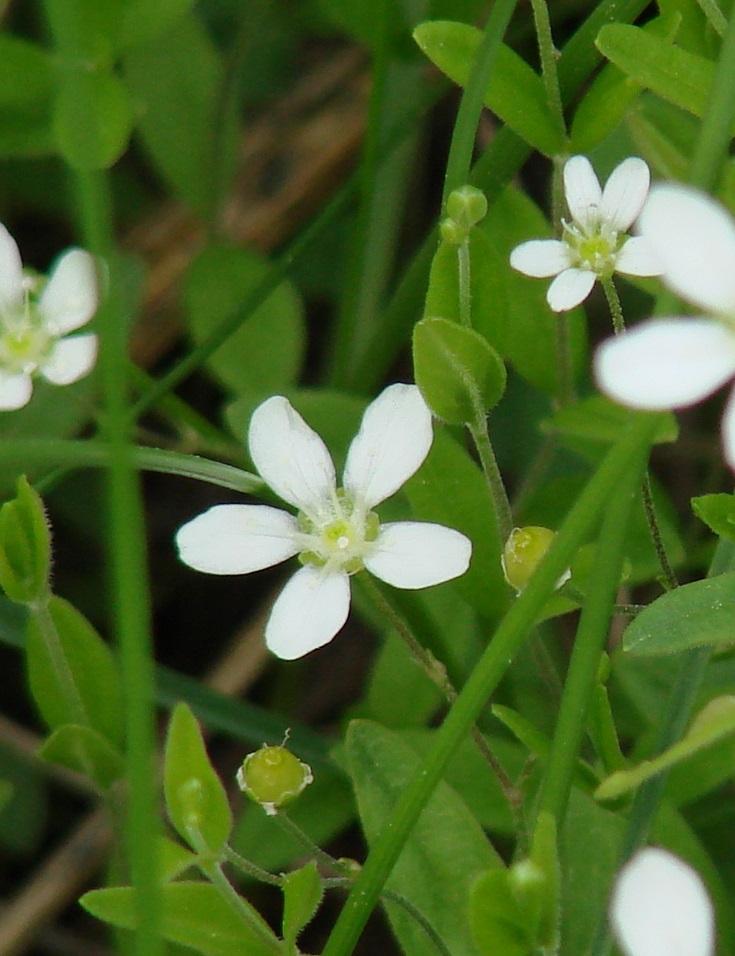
(342,541)
(23,349)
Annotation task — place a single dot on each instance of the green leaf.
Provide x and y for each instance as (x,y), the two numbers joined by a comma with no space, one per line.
(173,859)
(692,615)
(460,375)
(143,20)
(447,842)
(193,915)
(175,86)
(545,855)
(70,668)
(25,546)
(604,106)
(302,893)
(266,352)
(717,512)
(85,751)
(682,78)
(93,117)
(195,798)
(515,93)
(450,489)
(715,722)
(26,76)
(498,924)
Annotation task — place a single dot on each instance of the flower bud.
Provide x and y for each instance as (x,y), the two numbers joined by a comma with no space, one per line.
(466,206)
(522,554)
(25,547)
(273,777)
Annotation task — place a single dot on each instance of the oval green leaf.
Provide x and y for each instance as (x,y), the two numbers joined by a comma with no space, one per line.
(692,615)
(93,118)
(85,751)
(459,373)
(302,893)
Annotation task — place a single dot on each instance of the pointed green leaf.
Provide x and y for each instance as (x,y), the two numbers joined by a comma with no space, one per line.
(193,915)
(692,615)
(72,673)
(195,798)
(459,373)
(717,512)
(85,751)
(515,93)
(25,546)
(682,78)
(302,893)
(712,724)
(173,859)
(447,841)
(604,106)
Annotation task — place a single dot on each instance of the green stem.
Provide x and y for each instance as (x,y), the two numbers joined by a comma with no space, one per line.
(215,874)
(716,129)
(490,669)
(613,301)
(294,830)
(604,734)
(251,869)
(548,56)
(471,104)
(465,283)
(415,913)
(588,647)
(564,360)
(655,532)
(715,16)
(489,464)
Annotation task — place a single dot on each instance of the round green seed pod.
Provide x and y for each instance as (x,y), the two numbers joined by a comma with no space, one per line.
(273,777)
(522,554)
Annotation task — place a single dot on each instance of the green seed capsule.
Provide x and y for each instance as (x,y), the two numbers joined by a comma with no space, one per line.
(273,777)
(522,554)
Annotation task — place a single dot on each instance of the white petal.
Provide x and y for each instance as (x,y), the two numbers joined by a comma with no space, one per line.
(71,297)
(666,363)
(309,611)
(540,258)
(394,439)
(11,272)
(237,539)
(693,237)
(582,189)
(15,391)
(660,907)
(570,287)
(291,457)
(625,192)
(71,359)
(416,554)
(728,431)
(637,258)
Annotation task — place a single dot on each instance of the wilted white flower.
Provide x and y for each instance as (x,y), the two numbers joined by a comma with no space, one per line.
(595,243)
(677,361)
(335,533)
(660,907)
(34,329)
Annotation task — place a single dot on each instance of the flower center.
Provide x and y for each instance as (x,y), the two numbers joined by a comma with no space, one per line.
(24,342)
(340,540)
(594,247)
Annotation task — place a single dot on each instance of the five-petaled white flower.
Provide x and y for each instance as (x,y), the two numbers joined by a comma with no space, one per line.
(677,361)
(335,533)
(594,244)
(34,328)
(660,907)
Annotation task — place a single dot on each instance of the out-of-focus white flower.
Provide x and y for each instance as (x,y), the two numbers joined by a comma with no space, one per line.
(677,361)
(34,328)
(335,533)
(660,907)
(595,243)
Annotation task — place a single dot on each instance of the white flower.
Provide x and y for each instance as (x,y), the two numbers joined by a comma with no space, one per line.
(335,533)
(594,244)
(660,907)
(34,328)
(677,361)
